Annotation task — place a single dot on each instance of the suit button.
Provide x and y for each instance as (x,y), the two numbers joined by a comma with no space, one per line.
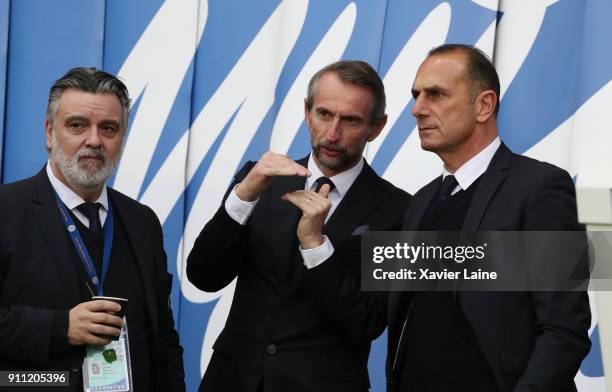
(271,349)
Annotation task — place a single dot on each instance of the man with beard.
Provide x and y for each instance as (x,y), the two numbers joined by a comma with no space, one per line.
(289,231)
(65,237)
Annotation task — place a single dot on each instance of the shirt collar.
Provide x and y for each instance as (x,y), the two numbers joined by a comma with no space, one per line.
(342,181)
(472,169)
(68,196)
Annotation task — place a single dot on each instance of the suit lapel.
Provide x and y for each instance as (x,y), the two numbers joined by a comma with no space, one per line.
(142,253)
(46,214)
(419,203)
(360,200)
(400,301)
(492,178)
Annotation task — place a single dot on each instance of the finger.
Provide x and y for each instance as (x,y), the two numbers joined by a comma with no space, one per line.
(300,199)
(283,161)
(316,199)
(94,340)
(307,201)
(103,306)
(285,169)
(107,319)
(101,329)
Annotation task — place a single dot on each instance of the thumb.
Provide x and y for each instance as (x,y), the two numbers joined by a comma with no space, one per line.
(324,191)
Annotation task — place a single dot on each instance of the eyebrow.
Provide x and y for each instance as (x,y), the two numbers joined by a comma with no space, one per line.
(356,117)
(111,122)
(430,89)
(76,117)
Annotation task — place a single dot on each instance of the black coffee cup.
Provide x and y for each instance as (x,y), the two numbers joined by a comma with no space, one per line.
(121,301)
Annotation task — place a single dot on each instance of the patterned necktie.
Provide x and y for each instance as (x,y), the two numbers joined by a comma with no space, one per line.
(92,212)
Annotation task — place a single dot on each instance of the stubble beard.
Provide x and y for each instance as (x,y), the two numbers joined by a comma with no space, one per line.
(345,159)
(79,174)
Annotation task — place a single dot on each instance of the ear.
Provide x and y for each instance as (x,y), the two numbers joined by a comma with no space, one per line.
(486,102)
(48,133)
(377,128)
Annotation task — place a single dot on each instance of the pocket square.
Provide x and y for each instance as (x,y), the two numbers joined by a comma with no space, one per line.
(360,230)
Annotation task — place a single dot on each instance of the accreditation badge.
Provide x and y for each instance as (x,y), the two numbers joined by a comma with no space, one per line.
(108,368)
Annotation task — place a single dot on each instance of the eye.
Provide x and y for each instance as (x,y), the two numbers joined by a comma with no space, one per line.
(323,114)
(352,121)
(110,128)
(435,94)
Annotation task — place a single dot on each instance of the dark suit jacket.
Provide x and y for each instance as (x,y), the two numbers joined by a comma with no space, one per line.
(39,282)
(298,329)
(532,341)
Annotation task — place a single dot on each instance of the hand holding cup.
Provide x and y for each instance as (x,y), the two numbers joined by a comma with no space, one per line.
(96,322)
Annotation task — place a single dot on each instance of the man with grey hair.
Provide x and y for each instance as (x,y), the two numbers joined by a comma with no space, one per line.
(66,237)
(290,232)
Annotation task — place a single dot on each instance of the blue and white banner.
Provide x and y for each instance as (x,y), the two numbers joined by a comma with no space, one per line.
(215,83)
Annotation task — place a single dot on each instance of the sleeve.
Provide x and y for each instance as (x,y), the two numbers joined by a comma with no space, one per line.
(28,334)
(562,318)
(59,342)
(217,253)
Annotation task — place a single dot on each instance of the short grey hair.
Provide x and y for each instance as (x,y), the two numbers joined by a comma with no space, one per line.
(355,72)
(90,80)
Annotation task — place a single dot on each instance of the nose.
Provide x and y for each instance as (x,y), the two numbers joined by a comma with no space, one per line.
(418,109)
(333,132)
(93,138)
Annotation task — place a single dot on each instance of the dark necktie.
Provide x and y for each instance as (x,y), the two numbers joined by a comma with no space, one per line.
(449,183)
(92,212)
(322,181)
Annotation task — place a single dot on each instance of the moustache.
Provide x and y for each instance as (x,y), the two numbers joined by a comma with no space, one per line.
(331,146)
(91,153)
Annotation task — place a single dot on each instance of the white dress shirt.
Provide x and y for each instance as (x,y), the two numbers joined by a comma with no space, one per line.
(240,210)
(474,168)
(71,200)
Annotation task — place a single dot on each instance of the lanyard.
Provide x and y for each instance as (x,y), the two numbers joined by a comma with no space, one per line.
(80,247)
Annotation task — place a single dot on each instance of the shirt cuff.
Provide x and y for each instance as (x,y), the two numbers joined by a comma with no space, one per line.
(237,209)
(315,256)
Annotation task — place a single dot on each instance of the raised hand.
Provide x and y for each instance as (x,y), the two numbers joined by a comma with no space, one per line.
(314,207)
(269,166)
